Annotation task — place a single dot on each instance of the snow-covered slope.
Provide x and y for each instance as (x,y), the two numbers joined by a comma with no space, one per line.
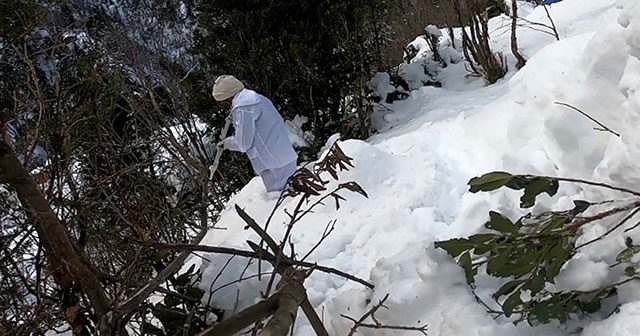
(416,171)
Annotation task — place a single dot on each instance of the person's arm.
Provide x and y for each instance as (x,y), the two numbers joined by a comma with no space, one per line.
(245,124)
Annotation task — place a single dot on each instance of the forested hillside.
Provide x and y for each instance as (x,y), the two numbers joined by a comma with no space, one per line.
(466,167)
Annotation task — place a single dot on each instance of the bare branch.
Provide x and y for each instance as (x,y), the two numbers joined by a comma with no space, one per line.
(314,319)
(605,128)
(327,231)
(553,24)
(591,183)
(626,219)
(377,325)
(259,253)
(243,319)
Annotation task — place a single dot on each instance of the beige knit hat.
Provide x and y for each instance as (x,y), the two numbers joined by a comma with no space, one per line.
(225,87)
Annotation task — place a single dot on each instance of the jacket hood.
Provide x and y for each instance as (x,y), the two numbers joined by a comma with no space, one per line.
(245,97)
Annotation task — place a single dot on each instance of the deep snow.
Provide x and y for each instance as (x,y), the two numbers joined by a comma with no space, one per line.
(416,169)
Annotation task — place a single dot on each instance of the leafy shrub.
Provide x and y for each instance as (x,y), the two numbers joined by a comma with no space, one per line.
(531,251)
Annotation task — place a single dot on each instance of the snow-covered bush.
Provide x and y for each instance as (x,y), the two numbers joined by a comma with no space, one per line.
(531,251)
(475,41)
(424,57)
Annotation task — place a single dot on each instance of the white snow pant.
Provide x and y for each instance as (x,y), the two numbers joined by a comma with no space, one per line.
(275,179)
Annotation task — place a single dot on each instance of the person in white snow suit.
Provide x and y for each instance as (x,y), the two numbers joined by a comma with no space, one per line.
(259,132)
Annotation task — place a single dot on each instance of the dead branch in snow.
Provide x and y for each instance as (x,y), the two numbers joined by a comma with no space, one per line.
(256,255)
(604,128)
(360,323)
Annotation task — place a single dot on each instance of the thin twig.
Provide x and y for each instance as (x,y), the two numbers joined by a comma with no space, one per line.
(591,183)
(273,246)
(258,254)
(331,226)
(553,24)
(370,312)
(615,227)
(580,223)
(617,284)
(377,325)
(177,295)
(605,128)
(633,227)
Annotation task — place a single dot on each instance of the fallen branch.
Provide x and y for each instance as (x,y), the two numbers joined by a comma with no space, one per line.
(253,254)
(282,306)
(377,325)
(306,306)
(243,319)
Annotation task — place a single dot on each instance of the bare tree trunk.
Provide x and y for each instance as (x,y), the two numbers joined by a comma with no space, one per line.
(68,266)
(514,37)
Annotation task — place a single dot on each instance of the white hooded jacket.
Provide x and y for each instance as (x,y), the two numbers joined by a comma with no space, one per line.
(260,132)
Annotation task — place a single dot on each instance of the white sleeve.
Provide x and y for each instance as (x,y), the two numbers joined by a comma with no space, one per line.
(244,122)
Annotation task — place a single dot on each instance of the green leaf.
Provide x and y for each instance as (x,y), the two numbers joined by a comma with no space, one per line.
(606,292)
(535,187)
(558,307)
(481,238)
(553,223)
(499,265)
(159,255)
(507,288)
(500,223)
(518,182)
(591,307)
(484,248)
(489,182)
(171,301)
(184,279)
(171,319)
(580,207)
(524,264)
(627,254)
(630,271)
(556,257)
(511,303)
(535,285)
(195,292)
(455,247)
(483,242)
(554,185)
(469,271)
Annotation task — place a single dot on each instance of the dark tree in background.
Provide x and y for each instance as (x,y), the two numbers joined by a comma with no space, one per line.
(99,156)
(305,55)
